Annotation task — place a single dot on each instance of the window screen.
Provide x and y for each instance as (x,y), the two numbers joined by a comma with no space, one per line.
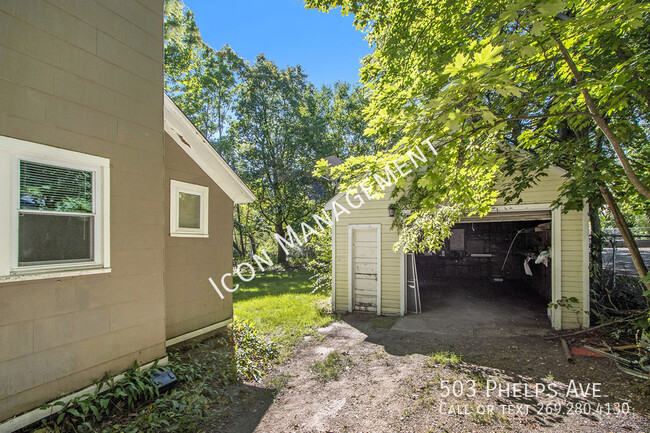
(55,219)
(50,188)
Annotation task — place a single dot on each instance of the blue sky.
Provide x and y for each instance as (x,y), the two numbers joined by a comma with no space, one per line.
(326,45)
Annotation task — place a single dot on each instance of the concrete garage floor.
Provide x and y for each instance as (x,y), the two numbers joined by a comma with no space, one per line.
(477,309)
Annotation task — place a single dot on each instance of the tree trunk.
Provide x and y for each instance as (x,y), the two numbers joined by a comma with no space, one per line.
(282,256)
(602,123)
(630,242)
(596,248)
(253,244)
(239,230)
(234,245)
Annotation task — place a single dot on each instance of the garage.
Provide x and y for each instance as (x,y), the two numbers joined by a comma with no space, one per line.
(496,273)
(491,274)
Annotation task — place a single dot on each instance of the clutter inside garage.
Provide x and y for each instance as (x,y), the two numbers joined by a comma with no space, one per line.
(509,260)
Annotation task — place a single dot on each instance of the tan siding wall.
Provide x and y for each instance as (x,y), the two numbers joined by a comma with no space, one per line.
(87,76)
(376,212)
(191,302)
(545,191)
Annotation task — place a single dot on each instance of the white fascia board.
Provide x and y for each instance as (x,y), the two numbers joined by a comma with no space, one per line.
(329,205)
(188,138)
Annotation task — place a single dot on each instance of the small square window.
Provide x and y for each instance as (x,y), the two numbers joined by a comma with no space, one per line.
(188,210)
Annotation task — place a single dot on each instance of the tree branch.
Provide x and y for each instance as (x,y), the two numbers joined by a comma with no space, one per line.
(517,119)
(602,123)
(627,235)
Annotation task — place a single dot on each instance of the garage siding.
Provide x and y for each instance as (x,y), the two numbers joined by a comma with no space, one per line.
(572,265)
(376,212)
(372,212)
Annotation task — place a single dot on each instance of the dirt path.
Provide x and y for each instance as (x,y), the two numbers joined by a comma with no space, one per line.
(388,383)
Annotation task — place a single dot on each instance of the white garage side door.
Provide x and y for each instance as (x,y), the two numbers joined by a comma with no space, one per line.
(365,264)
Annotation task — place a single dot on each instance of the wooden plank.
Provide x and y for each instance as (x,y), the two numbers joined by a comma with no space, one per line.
(365,252)
(365,268)
(366,284)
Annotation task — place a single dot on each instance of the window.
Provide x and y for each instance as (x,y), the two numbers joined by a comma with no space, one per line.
(188,210)
(55,215)
(58,218)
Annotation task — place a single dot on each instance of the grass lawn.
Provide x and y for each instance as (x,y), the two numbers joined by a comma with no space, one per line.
(280,305)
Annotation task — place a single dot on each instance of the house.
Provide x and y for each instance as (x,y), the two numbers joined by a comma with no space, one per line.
(117,210)
(526,255)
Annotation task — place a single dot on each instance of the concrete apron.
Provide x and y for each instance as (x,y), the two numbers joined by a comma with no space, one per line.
(477,312)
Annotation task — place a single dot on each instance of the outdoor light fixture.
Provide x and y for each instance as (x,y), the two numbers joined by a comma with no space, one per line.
(164,380)
(391,211)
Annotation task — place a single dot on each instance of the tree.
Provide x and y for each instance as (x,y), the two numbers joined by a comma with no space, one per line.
(506,88)
(269,124)
(343,105)
(199,79)
(280,133)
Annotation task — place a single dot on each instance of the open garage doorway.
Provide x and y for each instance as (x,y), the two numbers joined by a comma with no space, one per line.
(490,277)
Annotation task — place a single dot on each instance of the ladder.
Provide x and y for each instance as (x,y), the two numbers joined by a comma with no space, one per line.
(412,285)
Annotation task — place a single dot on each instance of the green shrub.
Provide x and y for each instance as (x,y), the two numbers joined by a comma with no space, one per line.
(321,264)
(80,412)
(204,375)
(202,380)
(253,354)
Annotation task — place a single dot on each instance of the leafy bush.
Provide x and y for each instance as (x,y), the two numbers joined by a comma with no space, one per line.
(202,381)
(79,412)
(321,264)
(204,376)
(253,354)
(181,410)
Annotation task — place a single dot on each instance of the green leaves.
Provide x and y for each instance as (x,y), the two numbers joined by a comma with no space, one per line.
(457,66)
(199,79)
(488,55)
(253,354)
(489,79)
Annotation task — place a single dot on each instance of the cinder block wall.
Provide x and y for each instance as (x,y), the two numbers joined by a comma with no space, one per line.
(87,75)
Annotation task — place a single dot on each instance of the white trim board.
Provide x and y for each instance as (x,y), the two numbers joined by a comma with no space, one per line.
(188,138)
(379,271)
(38,414)
(333,262)
(402,283)
(198,332)
(556,266)
(521,207)
(586,233)
(349,269)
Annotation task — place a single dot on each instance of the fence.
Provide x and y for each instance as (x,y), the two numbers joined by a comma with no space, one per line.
(616,256)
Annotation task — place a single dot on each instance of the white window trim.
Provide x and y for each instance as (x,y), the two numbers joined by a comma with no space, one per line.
(11,152)
(177,187)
